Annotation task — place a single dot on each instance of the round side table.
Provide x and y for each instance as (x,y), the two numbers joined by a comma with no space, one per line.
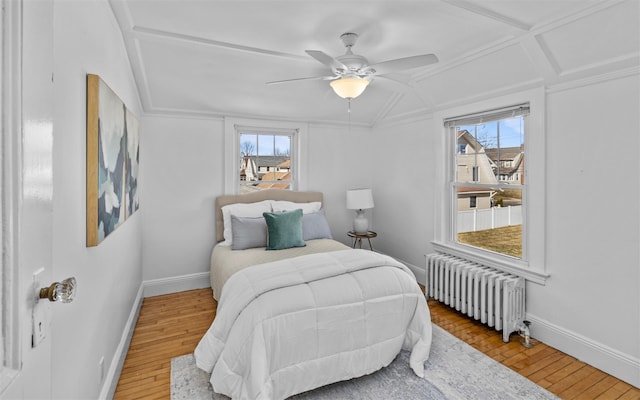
(357,238)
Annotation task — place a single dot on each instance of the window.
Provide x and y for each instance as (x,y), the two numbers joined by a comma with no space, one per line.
(487,203)
(265,160)
(264,154)
(474,173)
(528,177)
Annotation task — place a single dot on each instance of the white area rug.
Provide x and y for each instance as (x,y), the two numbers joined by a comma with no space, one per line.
(454,370)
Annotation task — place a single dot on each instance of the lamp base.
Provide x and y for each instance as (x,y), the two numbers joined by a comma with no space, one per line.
(360,223)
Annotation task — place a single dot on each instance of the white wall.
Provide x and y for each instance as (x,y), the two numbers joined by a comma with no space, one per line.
(590,305)
(592,230)
(87,40)
(404,183)
(182,163)
(340,158)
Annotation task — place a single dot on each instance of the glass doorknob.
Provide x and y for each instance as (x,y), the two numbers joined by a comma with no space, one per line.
(60,291)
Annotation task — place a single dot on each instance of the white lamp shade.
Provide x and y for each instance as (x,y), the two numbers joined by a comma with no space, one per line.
(349,88)
(359,199)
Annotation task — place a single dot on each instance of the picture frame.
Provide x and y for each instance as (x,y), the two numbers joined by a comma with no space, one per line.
(112,161)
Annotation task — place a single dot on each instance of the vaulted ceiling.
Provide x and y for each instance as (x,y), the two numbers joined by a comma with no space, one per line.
(213,58)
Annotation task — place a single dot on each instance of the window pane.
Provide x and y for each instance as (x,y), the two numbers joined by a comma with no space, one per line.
(472,164)
(248,144)
(265,162)
(488,182)
(487,134)
(507,157)
(282,145)
(497,228)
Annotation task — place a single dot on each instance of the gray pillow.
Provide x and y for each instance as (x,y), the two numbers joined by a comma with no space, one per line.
(248,232)
(315,226)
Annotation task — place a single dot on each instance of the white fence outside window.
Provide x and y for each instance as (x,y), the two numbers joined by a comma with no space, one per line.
(489,218)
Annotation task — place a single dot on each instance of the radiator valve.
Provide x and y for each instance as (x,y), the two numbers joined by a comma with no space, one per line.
(523,329)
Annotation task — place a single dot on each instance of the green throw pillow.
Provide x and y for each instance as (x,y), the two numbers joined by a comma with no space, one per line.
(284,230)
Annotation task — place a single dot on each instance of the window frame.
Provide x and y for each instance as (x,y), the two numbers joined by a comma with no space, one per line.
(291,134)
(299,154)
(533,266)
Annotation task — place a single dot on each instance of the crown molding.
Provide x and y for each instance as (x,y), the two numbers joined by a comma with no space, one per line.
(593,80)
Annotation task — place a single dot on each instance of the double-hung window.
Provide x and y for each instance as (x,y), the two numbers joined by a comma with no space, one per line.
(265,160)
(487,180)
(493,207)
(263,155)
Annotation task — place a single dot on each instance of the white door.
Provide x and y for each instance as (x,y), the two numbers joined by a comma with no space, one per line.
(27,193)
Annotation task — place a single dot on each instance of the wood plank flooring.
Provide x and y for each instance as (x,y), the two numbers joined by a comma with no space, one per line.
(561,374)
(172,325)
(168,326)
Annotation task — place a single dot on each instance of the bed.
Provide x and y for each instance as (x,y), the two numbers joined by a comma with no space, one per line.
(296,318)
(225,262)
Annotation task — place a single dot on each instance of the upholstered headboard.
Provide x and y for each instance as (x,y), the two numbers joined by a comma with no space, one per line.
(267,194)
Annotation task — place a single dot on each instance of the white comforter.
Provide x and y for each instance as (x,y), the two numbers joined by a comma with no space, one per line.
(289,326)
(225,262)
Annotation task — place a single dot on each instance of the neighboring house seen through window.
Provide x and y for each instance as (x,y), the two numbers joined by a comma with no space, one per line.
(264,154)
(488,180)
(266,160)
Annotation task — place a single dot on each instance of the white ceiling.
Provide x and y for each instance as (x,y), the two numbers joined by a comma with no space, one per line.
(213,58)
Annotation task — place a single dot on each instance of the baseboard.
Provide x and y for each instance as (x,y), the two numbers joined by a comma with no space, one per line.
(419,272)
(598,355)
(149,288)
(115,367)
(158,287)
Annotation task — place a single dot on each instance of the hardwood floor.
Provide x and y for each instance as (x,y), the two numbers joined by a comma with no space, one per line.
(172,325)
(168,326)
(563,375)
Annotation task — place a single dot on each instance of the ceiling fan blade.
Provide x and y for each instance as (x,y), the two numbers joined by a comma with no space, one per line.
(312,78)
(327,60)
(400,64)
(402,79)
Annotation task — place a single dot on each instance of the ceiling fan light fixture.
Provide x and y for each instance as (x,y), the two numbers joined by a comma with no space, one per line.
(349,87)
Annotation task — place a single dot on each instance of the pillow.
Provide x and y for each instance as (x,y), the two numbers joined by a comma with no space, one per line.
(248,232)
(282,205)
(315,226)
(284,230)
(241,210)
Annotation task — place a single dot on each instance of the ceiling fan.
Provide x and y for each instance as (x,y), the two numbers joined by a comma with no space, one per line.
(351,73)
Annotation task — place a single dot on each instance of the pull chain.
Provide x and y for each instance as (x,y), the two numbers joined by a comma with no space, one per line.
(349,112)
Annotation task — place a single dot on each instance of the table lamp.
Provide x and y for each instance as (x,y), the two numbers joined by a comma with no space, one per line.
(360,200)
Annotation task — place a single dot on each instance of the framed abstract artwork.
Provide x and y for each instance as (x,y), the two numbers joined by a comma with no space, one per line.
(112,161)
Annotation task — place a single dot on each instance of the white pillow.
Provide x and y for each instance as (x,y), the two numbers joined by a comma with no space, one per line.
(241,210)
(307,208)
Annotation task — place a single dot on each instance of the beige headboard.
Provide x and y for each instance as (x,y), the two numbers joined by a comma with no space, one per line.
(267,194)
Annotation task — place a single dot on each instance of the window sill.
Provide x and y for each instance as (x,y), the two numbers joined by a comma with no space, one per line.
(514,267)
